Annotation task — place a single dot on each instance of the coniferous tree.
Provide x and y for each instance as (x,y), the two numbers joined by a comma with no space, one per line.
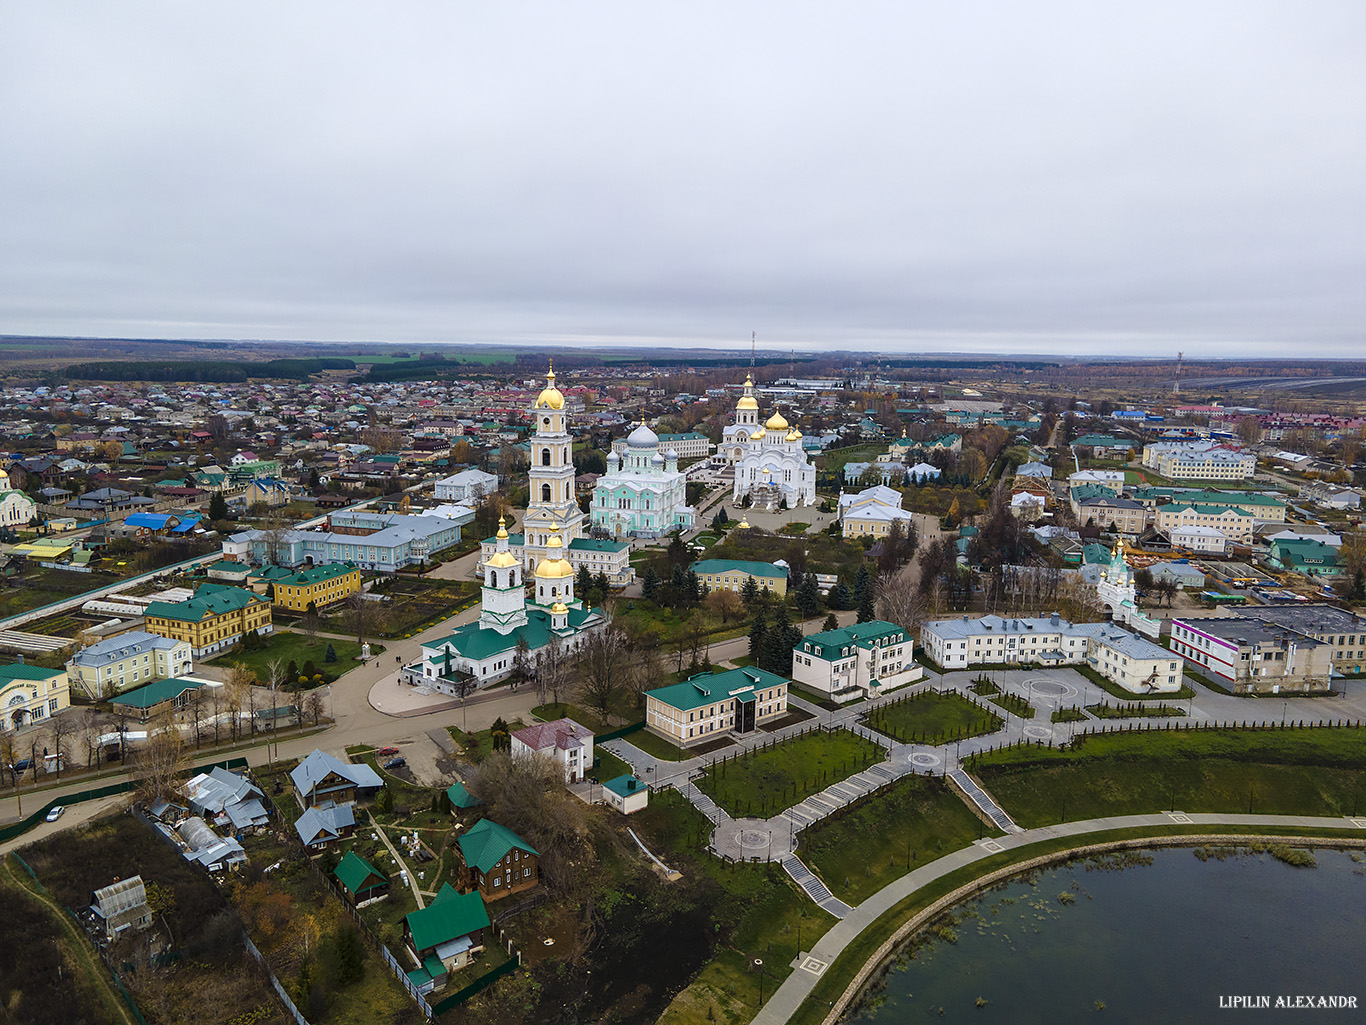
(601,583)
(649,584)
(749,591)
(831,623)
(758,633)
(808,598)
(218,506)
(583,581)
(841,597)
(866,607)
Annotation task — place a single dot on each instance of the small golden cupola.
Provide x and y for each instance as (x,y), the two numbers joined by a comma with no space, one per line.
(748,401)
(551,397)
(554,566)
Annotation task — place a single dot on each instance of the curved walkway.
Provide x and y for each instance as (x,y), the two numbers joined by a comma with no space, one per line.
(811,965)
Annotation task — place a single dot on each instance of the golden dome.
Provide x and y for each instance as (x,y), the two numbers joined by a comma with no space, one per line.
(502,528)
(554,566)
(503,560)
(551,397)
(757,436)
(559,608)
(794,435)
(747,402)
(776,423)
(744,524)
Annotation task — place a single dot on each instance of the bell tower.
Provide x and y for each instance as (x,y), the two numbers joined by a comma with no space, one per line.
(552,502)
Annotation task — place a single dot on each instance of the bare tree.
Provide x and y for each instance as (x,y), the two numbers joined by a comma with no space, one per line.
(555,668)
(217,701)
(314,705)
(161,761)
(60,728)
(603,663)
(358,610)
(900,601)
(726,605)
(239,687)
(90,729)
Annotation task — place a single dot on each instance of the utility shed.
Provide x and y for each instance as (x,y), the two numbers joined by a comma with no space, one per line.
(122,906)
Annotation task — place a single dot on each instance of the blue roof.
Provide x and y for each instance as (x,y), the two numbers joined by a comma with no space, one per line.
(153,521)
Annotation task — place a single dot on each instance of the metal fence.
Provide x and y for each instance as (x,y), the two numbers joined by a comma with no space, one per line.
(279,989)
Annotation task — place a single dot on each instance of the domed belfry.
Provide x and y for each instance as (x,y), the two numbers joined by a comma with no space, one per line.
(552,502)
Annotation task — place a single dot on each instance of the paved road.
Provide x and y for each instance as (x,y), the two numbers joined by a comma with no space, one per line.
(810,965)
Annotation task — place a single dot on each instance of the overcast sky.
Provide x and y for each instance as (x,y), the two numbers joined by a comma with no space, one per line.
(1082,177)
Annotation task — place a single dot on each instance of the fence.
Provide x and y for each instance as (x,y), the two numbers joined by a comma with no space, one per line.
(279,989)
(625,731)
(24,825)
(80,928)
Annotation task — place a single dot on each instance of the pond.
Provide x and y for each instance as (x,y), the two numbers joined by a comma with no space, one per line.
(1172,935)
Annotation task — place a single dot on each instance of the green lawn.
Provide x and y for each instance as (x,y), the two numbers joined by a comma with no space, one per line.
(1014,704)
(564,710)
(932,718)
(609,765)
(478,745)
(1068,715)
(915,820)
(765,781)
(1296,771)
(1134,710)
(300,648)
(653,744)
(1115,690)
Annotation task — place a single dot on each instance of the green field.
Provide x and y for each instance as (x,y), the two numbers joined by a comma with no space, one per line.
(915,820)
(765,781)
(1296,771)
(931,718)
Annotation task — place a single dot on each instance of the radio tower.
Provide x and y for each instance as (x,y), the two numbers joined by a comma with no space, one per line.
(1176,388)
(753,336)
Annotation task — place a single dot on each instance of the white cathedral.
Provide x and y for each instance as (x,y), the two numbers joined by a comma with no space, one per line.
(770,464)
(485,651)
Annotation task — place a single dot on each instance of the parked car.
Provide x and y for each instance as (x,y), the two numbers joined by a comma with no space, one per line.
(23,765)
(395,763)
(387,751)
(55,813)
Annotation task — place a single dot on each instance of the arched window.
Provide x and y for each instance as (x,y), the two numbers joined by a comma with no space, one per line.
(545,457)
(545,492)
(495,578)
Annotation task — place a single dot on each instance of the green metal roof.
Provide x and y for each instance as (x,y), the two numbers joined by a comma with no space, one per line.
(702,689)
(830,645)
(21,671)
(476,642)
(754,569)
(588,544)
(209,600)
(626,786)
(486,843)
(317,574)
(449,916)
(460,797)
(353,871)
(155,693)
(1207,510)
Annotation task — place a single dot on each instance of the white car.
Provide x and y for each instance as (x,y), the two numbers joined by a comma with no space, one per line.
(55,813)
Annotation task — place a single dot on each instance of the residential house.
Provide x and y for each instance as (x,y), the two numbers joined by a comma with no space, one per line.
(446,935)
(708,707)
(228,800)
(122,906)
(1110,480)
(320,779)
(360,880)
(1310,558)
(206,848)
(317,827)
(1202,540)
(561,740)
(859,660)
(496,861)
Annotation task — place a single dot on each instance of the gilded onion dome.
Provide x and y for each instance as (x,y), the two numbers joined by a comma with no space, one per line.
(503,559)
(551,397)
(744,524)
(776,423)
(757,436)
(748,401)
(554,566)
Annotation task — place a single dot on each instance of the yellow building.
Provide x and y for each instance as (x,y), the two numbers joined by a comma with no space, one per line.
(731,574)
(217,617)
(319,585)
(30,694)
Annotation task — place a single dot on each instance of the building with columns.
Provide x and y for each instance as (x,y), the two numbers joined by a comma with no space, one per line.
(642,494)
(770,464)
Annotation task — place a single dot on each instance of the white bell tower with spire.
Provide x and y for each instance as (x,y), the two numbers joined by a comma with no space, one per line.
(552,502)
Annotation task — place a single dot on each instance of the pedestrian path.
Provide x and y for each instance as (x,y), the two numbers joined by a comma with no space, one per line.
(984,801)
(808,971)
(813,887)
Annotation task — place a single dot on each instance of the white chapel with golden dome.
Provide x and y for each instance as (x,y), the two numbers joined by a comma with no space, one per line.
(770,465)
(485,651)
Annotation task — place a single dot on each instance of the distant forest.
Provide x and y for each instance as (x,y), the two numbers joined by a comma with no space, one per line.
(206,371)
